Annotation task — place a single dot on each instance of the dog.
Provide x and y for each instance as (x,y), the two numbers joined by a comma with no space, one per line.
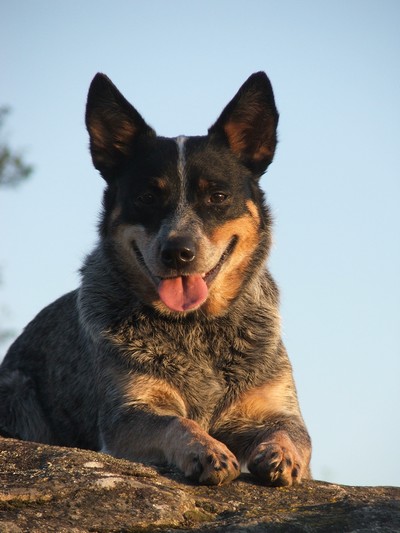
(170,350)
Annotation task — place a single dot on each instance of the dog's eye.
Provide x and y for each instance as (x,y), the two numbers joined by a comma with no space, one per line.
(147,199)
(217,198)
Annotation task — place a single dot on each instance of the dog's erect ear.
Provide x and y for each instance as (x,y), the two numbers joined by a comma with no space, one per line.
(113,125)
(248,123)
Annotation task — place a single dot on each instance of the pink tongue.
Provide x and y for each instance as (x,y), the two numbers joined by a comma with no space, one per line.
(184,292)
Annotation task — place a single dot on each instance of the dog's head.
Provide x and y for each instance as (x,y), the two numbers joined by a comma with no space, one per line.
(185,216)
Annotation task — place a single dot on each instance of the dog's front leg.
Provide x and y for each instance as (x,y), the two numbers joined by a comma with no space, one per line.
(276,451)
(200,456)
(265,430)
(282,457)
(148,423)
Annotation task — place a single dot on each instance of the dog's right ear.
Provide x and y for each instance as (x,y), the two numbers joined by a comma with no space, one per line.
(113,125)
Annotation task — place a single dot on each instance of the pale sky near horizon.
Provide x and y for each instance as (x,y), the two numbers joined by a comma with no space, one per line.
(334,186)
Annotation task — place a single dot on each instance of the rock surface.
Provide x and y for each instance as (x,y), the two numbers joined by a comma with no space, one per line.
(51,489)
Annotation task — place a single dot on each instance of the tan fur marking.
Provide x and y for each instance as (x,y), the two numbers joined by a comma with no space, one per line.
(229,280)
(156,393)
(97,133)
(161,183)
(262,153)
(284,440)
(235,131)
(260,403)
(118,138)
(279,461)
(188,446)
(203,184)
(251,206)
(126,131)
(115,214)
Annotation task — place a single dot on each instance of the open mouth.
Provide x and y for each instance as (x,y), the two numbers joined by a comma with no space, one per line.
(212,274)
(188,291)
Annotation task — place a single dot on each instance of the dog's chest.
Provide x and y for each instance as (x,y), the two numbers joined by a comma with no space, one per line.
(206,366)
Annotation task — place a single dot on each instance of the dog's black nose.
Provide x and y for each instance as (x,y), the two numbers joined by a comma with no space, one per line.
(177,253)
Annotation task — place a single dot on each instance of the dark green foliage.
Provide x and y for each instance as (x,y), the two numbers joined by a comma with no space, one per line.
(13,168)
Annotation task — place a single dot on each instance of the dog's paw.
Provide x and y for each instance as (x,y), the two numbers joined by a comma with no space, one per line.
(276,464)
(211,464)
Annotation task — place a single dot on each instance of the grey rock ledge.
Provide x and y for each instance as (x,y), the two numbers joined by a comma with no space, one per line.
(52,489)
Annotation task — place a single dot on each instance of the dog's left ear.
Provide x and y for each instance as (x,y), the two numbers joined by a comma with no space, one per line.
(248,123)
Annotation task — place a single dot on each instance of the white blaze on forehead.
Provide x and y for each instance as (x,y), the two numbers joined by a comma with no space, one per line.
(183,220)
(180,141)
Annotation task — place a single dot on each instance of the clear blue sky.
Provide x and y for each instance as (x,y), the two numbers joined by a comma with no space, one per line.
(334,185)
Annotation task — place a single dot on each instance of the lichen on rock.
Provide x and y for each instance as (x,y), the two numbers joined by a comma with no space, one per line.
(53,489)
